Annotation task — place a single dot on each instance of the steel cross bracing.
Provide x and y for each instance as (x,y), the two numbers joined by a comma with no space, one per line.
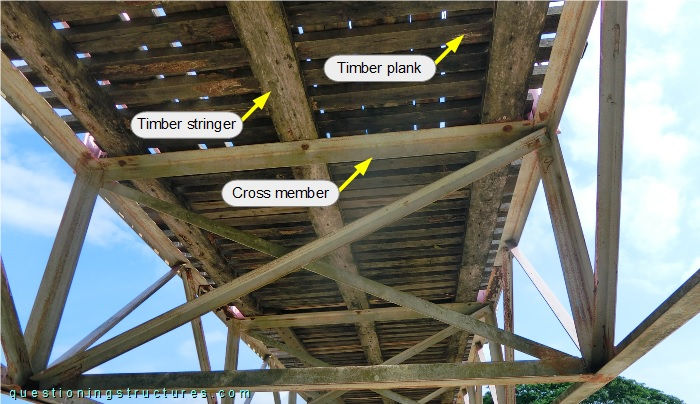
(535,142)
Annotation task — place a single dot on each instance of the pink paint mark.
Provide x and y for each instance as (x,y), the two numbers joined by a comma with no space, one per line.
(535,93)
(236,313)
(94,149)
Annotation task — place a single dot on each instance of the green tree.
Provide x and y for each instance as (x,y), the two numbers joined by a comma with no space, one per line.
(618,391)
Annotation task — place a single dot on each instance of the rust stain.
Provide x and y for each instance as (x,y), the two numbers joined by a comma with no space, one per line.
(546,162)
(84,158)
(534,143)
(305,146)
(559,362)
(290,232)
(507,128)
(600,378)
(217,88)
(160,67)
(121,163)
(543,115)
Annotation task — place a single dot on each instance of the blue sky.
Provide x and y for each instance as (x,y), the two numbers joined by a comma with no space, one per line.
(115,265)
(660,218)
(660,190)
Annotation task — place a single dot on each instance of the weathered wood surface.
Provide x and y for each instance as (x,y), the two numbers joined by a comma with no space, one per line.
(74,11)
(20,94)
(389,38)
(571,244)
(344,378)
(189,27)
(335,15)
(19,367)
(572,33)
(516,34)
(296,153)
(50,300)
(419,254)
(676,310)
(346,316)
(305,255)
(611,99)
(276,67)
(27,28)
(200,342)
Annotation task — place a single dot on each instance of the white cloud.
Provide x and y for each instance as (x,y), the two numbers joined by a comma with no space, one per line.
(642,60)
(650,139)
(651,212)
(652,125)
(96,370)
(660,17)
(34,198)
(214,337)
(10,118)
(187,349)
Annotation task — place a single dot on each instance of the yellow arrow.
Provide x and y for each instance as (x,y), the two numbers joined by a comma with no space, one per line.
(451,47)
(259,103)
(359,169)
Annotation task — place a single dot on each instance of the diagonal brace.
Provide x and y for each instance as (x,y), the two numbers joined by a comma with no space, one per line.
(305,255)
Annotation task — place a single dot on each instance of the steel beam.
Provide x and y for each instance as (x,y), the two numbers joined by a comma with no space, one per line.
(58,275)
(19,367)
(679,308)
(613,47)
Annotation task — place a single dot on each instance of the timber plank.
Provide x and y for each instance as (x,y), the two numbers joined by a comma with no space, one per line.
(188,28)
(393,37)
